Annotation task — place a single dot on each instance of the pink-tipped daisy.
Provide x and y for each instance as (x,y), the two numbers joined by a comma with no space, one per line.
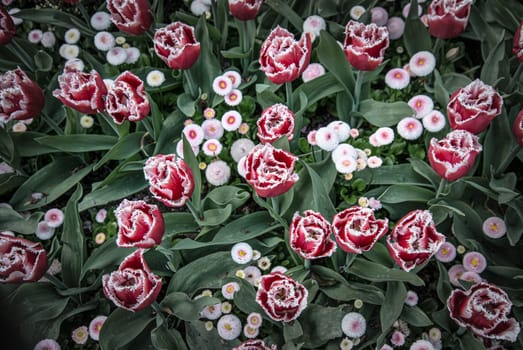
(396,27)
(343,150)
(313,71)
(44,231)
(240,148)
(54,217)
(218,173)
(133,54)
(194,134)
(233,98)
(229,289)
(455,273)
(101,215)
(346,165)
(35,36)
(96,326)
(397,78)
(354,133)
(209,113)
(494,227)
(234,77)
(412,298)
(241,253)
(386,347)
(100,238)
(379,15)
(71,36)
(47,344)
(243,129)
(222,85)
(100,20)
(179,149)
(446,252)
(326,139)
(422,63)
(229,327)
(422,104)
(311,138)
(410,128)
(374,203)
(373,140)
(341,129)
(255,320)
(80,335)
(374,162)
(116,56)
(353,325)
(434,121)
(474,261)
(384,136)
(421,345)
(104,41)
(356,12)
(471,277)
(212,312)
(252,274)
(397,338)
(212,129)
(212,147)
(48,39)
(231,120)
(250,331)
(313,25)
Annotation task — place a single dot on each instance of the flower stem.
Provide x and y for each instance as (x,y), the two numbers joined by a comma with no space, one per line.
(191,84)
(442,186)
(276,204)
(245,46)
(357,91)
(306,264)
(194,210)
(508,159)
(288,91)
(156,307)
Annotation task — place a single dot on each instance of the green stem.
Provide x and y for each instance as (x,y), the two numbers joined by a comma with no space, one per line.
(288,91)
(193,88)
(156,307)
(509,158)
(357,91)
(245,46)
(442,185)
(306,264)
(515,77)
(194,210)
(276,204)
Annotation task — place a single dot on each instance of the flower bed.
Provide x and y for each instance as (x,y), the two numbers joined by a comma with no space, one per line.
(261,174)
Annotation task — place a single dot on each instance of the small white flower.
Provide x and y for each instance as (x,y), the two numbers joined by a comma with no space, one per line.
(35,36)
(54,217)
(19,127)
(234,77)
(397,78)
(327,139)
(116,56)
(255,320)
(133,54)
(218,173)
(231,120)
(233,98)
(384,136)
(410,128)
(194,134)
(222,85)
(264,263)
(311,138)
(346,344)
(68,51)
(226,307)
(86,121)
(241,253)
(229,327)
(434,121)
(421,345)
(374,162)
(100,20)
(212,147)
(229,289)
(422,63)
(379,15)
(212,312)
(44,231)
(100,216)
(412,298)
(346,165)
(252,274)
(198,8)
(343,150)
(104,41)
(75,63)
(353,325)
(250,332)
(48,39)
(357,11)
(422,104)
(341,129)
(212,129)
(396,27)
(179,149)
(72,36)
(155,78)
(313,71)
(314,24)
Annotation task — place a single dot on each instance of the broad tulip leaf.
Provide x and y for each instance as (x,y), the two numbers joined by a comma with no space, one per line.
(122,327)
(199,338)
(164,338)
(378,273)
(179,222)
(406,193)
(394,300)
(73,249)
(78,143)
(367,293)
(415,316)
(320,324)
(385,113)
(416,36)
(11,220)
(492,66)
(107,255)
(185,308)
(125,148)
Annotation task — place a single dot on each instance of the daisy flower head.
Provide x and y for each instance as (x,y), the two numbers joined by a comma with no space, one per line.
(19,127)
(410,128)
(229,327)
(133,54)
(374,203)
(80,335)
(234,77)
(471,277)
(231,120)
(86,121)
(346,165)
(374,162)
(455,273)
(341,129)
(212,129)
(233,98)
(100,20)
(357,11)
(386,347)
(212,312)
(384,136)
(72,36)
(254,319)
(422,63)
(264,263)
(397,338)
(222,85)
(412,298)
(354,133)
(209,113)
(218,172)
(379,15)
(116,56)
(447,252)
(229,289)
(434,121)
(243,129)
(44,231)
(69,51)
(250,332)
(363,202)
(54,217)
(421,345)
(475,262)
(75,64)
(100,238)
(353,325)
(198,8)
(226,307)
(434,334)
(396,27)
(313,25)
(48,39)
(194,134)
(343,150)
(212,147)
(373,140)
(96,326)
(119,40)
(326,139)
(47,344)
(252,274)
(155,78)
(104,41)
(35,36)
(494,227)
(256,255)
(311,138)
(422,105)
(397,78)
(241,253)
(313,71)
(346,344)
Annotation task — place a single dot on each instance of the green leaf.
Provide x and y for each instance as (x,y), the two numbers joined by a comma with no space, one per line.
(38,302)
(406,193)
(10,220)
(43,61)
(514,221)
(55,18)
(214,217)
(385,113)
(171,129)
(78,142)
(441,94)
(186,104)
(378,273)
(265,96)
(367,293)
(179,222)
(332,57)
(424,169)
(224,195)
(491,67)
(125,148)
(391,175)
(164,338)
(234,53)
(413,315)
(204,272)
(186,308)
(107,255)
(27,146)
(198,338)
(282,8)
(320,324)
(73,249)
(207,66)
(494,151)
(192,162)
(416,37)
(292,331)
(240,230)
(391,308)
(468,341)
(316,89)
(122,327)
